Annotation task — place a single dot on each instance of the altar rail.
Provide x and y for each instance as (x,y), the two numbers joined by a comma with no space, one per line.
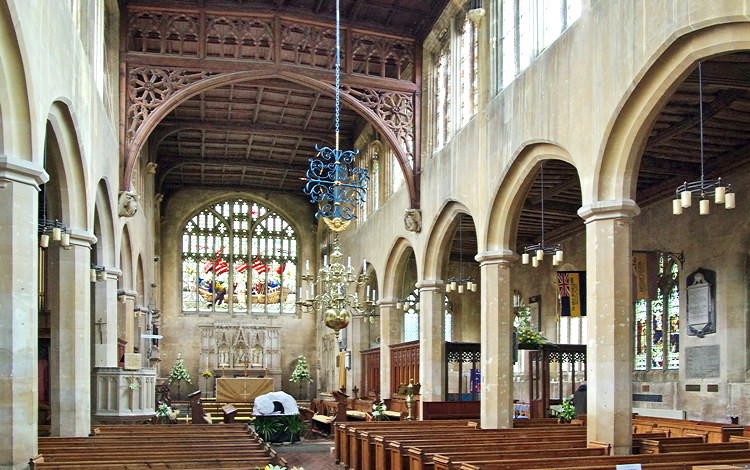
(117,401)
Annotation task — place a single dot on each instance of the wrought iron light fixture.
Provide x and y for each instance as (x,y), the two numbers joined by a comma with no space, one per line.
(705,188)
(540,249)
(338,187)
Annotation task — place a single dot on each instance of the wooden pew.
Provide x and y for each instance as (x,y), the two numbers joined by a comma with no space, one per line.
(679,458)
(148,446)
(342,432)
(416,455)
(373,454)
(712,432)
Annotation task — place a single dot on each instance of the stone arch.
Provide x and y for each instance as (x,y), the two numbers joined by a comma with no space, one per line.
(103,225)
(509,199)
(138,140)
(126,259)
(627,133)
(65,155)
(393,277)
(440,238)
(15,117)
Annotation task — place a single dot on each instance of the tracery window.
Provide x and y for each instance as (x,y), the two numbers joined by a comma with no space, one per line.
(469,70)
(239,256)
(657,321)
(526,28)
(411,317)
(442,95)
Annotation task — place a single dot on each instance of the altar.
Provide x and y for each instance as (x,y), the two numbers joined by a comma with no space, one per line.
(242,389)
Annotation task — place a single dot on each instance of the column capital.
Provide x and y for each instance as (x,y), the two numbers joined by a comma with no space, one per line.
(82,238)
(22,171)
(389,302)
(430,284)
(502,256)
(112,272)
(611,209)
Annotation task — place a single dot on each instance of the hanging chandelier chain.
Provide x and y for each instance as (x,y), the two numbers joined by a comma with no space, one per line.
(700,120)
(338,73)
(542,197)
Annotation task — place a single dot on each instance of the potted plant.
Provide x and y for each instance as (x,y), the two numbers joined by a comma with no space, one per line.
(268,427)
(164,413)
(378,411)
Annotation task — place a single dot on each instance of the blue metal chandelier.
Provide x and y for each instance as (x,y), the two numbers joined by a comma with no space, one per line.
(333,181)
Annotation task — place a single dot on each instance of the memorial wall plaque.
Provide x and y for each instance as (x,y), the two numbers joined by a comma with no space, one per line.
(702,362)
(701,306)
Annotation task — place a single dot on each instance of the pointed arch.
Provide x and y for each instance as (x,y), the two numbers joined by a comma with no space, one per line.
(627,133)
(133,147)
(509,199)
(440,238)
(15,116)
(103,224)
(393,278)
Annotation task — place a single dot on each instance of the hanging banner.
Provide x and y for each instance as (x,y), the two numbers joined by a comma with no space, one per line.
(571,287)
(645,274)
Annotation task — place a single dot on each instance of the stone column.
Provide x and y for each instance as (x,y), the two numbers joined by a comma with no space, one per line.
(431,340)
(70,345)
(105,313)
(610,322)
(126,308)
(389,334)
(19,188)
(354,375)
(496,339)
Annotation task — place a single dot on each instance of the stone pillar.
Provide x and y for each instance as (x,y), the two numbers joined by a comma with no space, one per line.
(389,334)
(431,340)
(104,318)
(19,188)
(70,344)
(354,376)
(126,308)
(610,322)
(496,339)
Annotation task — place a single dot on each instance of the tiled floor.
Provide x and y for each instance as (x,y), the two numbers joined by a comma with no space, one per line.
(314,454)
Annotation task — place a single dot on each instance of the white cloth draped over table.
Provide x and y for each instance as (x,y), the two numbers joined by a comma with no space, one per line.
(264,404)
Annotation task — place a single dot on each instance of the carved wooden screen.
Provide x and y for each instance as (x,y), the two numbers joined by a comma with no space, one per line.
(404,364)
(370,372)
(245,245)
(547,369)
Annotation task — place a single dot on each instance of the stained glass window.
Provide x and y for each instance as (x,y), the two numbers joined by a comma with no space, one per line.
(657,322)
(442,96)
(469,65)
(239,256)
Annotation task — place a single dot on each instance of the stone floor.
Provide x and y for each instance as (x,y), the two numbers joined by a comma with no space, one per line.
(314,454)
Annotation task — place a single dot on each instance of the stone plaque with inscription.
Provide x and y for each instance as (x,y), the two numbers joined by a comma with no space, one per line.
(702,362)
(701,310)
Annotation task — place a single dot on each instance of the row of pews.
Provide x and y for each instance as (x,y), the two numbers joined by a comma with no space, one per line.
(537,444)
(143,446)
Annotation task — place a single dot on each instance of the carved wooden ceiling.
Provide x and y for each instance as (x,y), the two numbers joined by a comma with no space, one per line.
(259,134)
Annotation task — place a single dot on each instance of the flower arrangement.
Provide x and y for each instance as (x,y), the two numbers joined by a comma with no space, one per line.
(207,374)
(164,410)
(378,411)
(567,411)
(277,467)
(133,385)
(179,372)
(527,336)
(301,371)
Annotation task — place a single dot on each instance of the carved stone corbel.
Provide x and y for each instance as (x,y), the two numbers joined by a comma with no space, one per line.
(127,204)
(413,220)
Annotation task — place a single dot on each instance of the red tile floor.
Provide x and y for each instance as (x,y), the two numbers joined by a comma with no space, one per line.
(314,454)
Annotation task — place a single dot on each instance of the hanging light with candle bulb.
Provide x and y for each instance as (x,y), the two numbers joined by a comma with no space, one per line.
(460,283)
(704,188)
(536,253)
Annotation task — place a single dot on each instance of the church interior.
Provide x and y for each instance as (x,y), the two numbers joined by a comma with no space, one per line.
(431,212)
